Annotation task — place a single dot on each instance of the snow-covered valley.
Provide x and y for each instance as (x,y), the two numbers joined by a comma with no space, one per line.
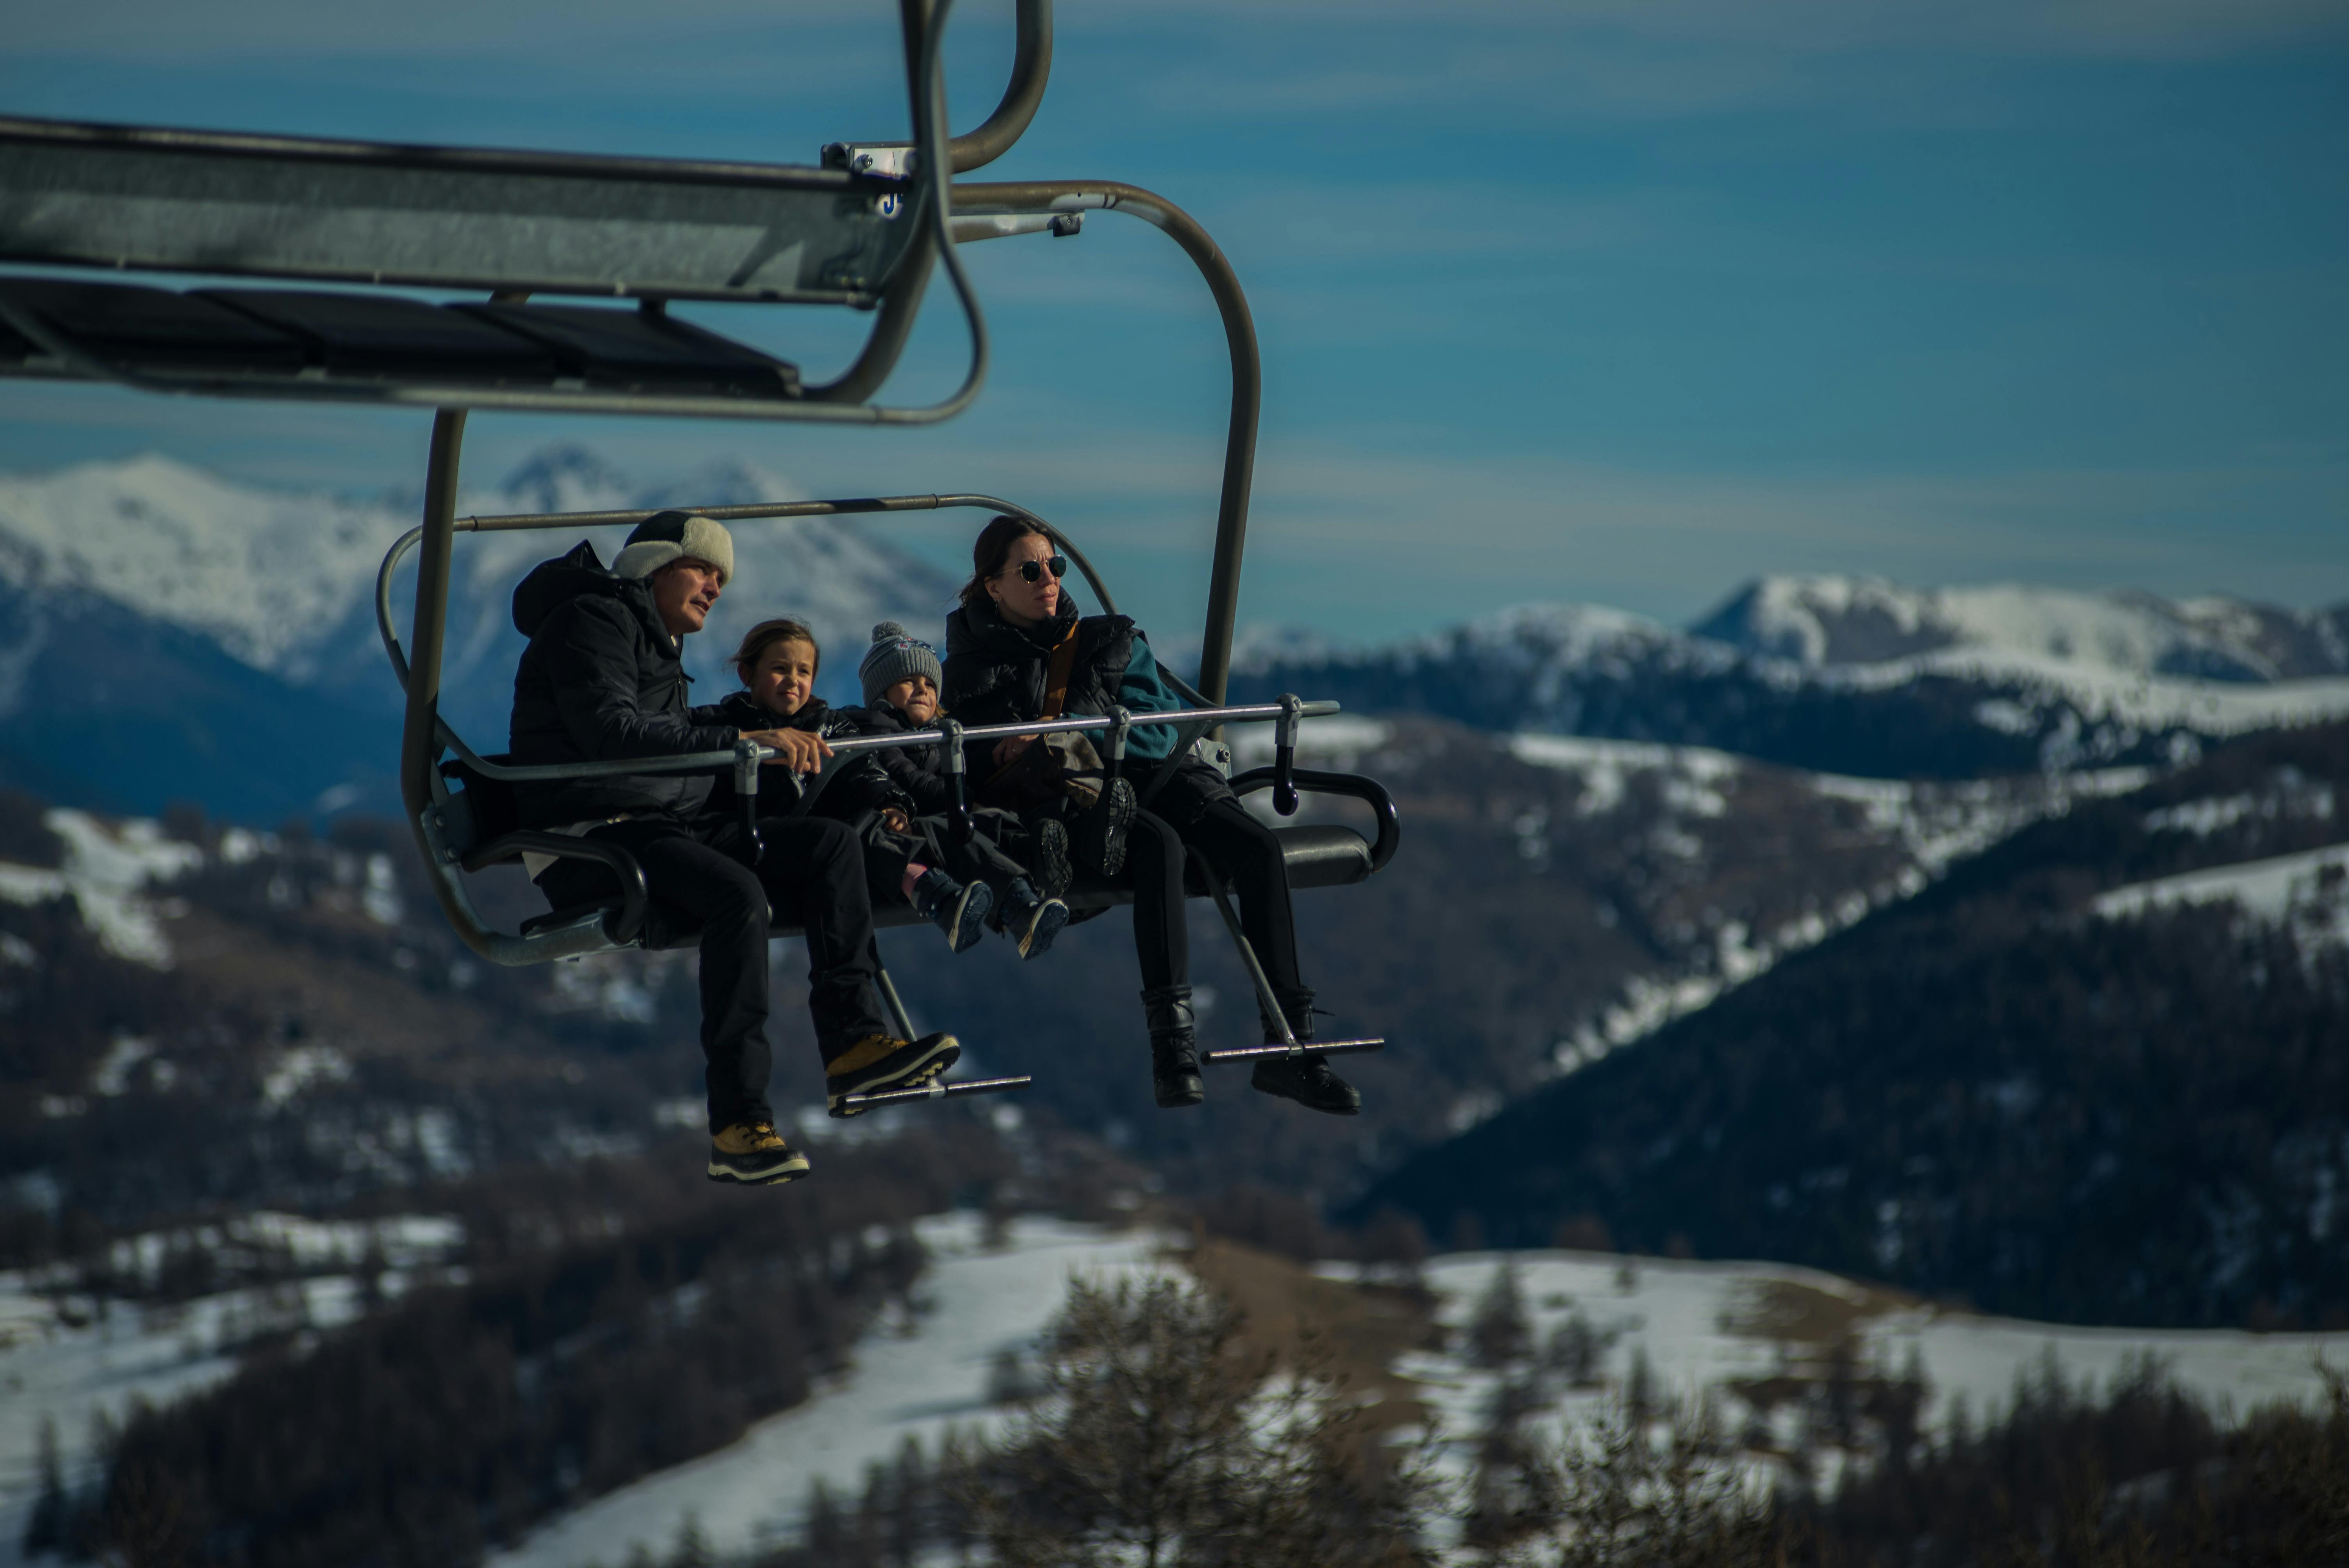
(1753,1336)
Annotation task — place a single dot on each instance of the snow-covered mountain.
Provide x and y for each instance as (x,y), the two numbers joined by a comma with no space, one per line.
(151,592)
(1823,621)
(169,633)
(1857,676)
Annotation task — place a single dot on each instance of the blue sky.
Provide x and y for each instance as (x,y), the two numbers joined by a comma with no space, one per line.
(1622,301)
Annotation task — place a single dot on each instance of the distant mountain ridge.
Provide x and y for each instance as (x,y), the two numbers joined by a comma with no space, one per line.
(1850,674)
(148,600)
(265,674)
(1829,620)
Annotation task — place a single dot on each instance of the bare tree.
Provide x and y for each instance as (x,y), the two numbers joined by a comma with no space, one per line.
(1159,1443)
(1621,1490)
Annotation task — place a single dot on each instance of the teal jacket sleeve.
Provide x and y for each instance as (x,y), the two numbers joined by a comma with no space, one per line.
(1144,690)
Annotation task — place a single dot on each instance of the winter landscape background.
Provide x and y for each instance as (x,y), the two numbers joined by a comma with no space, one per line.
(1831,519)
(1983,948)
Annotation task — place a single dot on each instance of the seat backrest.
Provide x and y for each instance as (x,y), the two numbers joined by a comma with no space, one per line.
(382,214)
(486,807)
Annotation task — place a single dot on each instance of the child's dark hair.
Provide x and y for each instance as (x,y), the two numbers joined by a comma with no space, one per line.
(765,635)
(993,548)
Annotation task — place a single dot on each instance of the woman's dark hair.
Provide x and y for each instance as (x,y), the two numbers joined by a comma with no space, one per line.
(765,635)
(992,548)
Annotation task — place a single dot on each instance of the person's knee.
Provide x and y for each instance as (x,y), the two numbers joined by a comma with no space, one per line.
(834,844)
(731,893)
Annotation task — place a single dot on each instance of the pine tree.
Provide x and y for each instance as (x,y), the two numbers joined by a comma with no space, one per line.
(1639,1386)
(45,1527)
(1499,1334)
(692,1549)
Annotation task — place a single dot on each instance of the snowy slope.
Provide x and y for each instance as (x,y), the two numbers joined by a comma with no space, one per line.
(68,1358)
(2306,893)
(1933,824)
(1715,1326)
(105,872)
(936,1373)
(1699,1324)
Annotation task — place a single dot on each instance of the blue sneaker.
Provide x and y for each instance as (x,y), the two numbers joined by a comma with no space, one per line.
(1029,921)
(960,912)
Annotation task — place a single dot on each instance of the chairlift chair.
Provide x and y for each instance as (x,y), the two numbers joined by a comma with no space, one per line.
(243,215)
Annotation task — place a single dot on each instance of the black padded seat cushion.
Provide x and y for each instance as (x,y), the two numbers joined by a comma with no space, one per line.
(364,334)
(127,324)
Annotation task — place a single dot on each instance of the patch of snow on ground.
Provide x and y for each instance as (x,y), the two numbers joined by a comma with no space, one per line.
(753,1491)
(1696,772)
(1336,740)
(1696,1323)
(1939,823)
(68,1358)
(106,869)
(2308,893)
(2200,817)
(1935,824)
(301,1068)
(2103,693)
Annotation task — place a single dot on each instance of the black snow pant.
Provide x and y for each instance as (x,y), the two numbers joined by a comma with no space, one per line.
(979,859)
(1202,814)
(812,876)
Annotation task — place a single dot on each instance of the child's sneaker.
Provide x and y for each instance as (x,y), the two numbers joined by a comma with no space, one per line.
(1029,921)
(754,1154)
(883,1061)
(960,912)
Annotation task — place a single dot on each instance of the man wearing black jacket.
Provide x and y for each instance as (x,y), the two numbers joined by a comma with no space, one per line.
(603,680)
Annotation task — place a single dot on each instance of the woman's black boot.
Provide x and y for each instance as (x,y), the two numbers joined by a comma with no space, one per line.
(1173,1047)
(1307,1078)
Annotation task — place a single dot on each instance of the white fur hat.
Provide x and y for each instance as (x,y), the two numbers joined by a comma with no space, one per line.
(671,536)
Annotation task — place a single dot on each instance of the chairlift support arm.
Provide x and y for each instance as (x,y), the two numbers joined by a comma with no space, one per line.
(977,199)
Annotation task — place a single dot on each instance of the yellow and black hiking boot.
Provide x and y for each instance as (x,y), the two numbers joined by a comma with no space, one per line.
(754,1154)
(880,1062)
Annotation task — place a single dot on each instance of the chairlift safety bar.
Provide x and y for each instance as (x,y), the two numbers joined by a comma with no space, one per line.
(711,761)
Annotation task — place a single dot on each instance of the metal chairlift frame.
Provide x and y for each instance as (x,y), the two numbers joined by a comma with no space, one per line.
(126,198)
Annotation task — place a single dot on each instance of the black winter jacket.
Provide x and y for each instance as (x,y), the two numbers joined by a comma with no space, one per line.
(995,671)
(862,783)
(918,772)
(600,680)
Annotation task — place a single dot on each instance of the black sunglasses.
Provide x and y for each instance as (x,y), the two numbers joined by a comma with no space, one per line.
(1033,571)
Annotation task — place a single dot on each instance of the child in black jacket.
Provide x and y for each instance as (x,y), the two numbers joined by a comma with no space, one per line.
(901,678)
(896,802)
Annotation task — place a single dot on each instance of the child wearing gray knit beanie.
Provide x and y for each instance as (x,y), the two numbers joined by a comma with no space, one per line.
(897,655)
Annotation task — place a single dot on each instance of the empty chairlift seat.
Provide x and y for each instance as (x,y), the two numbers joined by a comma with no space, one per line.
(318,343)
(546,236)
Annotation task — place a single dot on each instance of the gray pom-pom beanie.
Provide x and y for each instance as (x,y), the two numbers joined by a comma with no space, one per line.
(669,536)
(897,655)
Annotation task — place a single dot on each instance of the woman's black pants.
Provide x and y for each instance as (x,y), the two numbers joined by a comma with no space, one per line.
(1248,854)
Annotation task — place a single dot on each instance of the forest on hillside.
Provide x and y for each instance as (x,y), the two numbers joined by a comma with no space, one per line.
(1991,1094)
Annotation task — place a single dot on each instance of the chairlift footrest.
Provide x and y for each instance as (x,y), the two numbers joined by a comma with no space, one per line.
(939,1088)
(1320,1047)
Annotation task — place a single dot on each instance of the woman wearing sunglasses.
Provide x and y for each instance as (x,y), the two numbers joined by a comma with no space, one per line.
(1016,638)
